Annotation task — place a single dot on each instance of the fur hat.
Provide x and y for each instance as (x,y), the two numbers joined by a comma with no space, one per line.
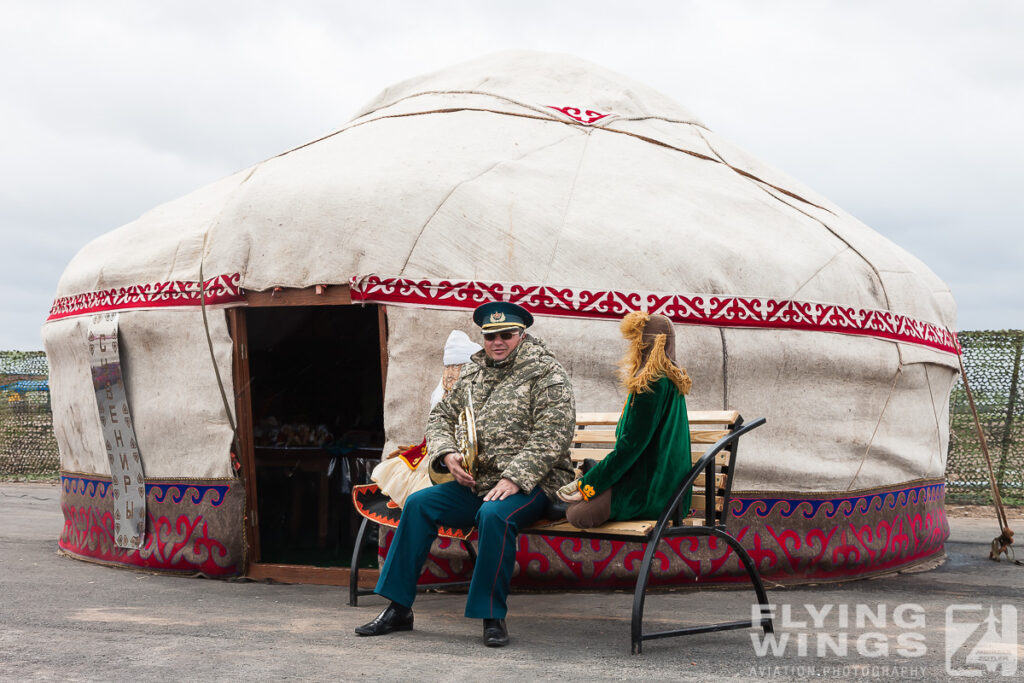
(651,353)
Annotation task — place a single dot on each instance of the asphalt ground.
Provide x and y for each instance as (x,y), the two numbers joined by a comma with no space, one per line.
(65,619)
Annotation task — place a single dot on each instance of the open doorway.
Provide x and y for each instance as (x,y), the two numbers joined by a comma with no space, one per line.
(317,427)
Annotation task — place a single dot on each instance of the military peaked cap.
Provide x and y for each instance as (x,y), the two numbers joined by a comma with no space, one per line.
(499,316)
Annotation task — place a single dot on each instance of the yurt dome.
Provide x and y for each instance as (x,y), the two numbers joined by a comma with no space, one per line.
(536,178)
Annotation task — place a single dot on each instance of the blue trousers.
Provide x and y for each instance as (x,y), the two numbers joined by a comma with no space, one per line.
(451,504)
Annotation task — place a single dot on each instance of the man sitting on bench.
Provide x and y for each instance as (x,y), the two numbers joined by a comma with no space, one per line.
(652,440)
(525,416)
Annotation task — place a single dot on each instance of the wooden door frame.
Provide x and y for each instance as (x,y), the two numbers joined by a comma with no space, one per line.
(319,295)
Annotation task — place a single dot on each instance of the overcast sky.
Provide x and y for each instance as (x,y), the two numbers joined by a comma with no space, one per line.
(910,115)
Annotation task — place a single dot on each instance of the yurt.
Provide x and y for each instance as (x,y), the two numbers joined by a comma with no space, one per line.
(227,367)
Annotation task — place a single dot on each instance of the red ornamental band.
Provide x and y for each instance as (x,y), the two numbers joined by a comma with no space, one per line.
(221,289)
(586,116)
(575,302)
(687,309)
(792,538)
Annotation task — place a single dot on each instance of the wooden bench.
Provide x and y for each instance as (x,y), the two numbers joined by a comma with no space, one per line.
(714,439)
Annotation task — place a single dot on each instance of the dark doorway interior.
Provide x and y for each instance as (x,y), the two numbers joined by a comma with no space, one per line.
(318,426)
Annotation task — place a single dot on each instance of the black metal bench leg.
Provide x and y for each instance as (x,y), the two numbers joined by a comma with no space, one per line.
(755,578)
(353,569)
(639,595)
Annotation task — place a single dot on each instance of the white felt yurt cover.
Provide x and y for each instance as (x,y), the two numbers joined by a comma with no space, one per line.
(582,194)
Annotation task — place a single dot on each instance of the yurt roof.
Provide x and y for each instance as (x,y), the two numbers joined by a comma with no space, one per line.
(521,167)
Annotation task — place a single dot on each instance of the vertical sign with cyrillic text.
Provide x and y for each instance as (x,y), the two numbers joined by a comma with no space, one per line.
(128,483)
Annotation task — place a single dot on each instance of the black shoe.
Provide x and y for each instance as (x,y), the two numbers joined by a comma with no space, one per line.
(495,633)
(393,618)
(555,510)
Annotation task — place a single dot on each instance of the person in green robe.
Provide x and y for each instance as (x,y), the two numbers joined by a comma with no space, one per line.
(652,439)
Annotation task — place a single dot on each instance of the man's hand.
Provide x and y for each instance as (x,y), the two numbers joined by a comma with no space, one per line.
(502,490)
(453,461)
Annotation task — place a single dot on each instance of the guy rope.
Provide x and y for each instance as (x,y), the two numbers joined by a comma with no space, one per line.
(1001,544)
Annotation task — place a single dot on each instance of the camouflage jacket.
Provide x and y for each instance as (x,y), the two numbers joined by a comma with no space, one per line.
(525,418)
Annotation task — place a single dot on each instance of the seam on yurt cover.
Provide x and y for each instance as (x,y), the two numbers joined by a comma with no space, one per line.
(725,370)
(547,119)
(174,259)
(465,181)
(874,269)
(575,124)
(568,203)
(213,356)
(645,138)
(445,110)
(750,176)
(871,441)
(815,273)
(649,118)
(931,400)
(881,283)
(423,93)
(206,322)
(531,107)
(872,266)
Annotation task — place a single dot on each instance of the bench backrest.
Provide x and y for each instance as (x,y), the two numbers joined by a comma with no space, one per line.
(595,438)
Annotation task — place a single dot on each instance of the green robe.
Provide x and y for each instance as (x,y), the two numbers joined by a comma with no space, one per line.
(651,456)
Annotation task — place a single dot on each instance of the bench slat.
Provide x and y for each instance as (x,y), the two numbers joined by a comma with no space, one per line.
(592,436)
(707,436)
(639,528)
(713,417)
(597,418)
(698,502)
(719,480)
(700,417)
(606,437)
(581,454)
(721,458)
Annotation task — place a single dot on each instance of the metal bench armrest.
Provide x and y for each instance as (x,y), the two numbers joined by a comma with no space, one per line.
(699,467)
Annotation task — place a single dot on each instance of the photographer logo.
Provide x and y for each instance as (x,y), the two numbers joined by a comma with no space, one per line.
(981,641)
